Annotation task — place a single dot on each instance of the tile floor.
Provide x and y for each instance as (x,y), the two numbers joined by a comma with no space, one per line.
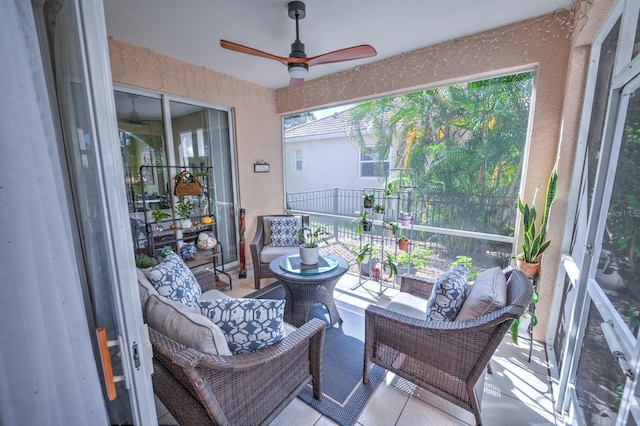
(518,391)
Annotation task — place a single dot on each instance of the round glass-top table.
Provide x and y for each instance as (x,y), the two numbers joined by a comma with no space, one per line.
(306,285)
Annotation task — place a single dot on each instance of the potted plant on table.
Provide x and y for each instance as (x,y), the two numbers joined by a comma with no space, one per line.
(184,208)
(158,215)
(309,244)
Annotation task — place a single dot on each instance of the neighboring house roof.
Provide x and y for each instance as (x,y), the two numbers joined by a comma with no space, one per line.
(337,123)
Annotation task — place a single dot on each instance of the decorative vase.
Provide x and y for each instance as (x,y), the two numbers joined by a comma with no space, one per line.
(186,223)
(309,255)
(529,269)
(188,251)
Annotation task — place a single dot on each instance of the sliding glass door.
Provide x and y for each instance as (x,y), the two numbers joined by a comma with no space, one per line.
(159,130)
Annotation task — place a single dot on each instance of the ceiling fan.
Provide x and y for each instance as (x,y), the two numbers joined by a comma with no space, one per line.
(297,62)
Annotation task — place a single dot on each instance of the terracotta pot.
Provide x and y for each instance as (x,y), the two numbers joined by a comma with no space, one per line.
(403,245)
(529,269)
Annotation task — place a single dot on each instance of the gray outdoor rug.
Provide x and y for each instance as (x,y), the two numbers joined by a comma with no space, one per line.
(344,394)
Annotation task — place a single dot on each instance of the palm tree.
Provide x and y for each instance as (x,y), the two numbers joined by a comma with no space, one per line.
(464,140)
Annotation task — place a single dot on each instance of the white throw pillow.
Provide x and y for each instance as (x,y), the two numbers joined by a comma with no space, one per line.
(488,294)
(190,328)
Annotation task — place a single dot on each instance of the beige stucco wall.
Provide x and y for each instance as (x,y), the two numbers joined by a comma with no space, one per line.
(257,127)
(542,44)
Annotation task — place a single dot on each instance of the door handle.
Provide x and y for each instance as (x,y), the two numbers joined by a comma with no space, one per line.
(107,370)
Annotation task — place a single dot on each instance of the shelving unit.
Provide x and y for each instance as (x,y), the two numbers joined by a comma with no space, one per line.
(396,197)
(177,236)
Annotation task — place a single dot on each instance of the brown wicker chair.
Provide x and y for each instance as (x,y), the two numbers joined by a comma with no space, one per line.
(261,267)
(446,358)
(248,389)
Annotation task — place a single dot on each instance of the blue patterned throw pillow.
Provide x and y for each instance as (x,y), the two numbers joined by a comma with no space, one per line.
(448,294)
(175,281)
(248,324)
(283,231)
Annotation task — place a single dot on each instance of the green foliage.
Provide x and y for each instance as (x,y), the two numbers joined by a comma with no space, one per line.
(465,140)
(378,208)
(534,243)
(310,238)
(468,262)
(368,199)
(391,263)
(364,251)
(158,215)
(360,220)
(390,225)
(184,207)
(144,261)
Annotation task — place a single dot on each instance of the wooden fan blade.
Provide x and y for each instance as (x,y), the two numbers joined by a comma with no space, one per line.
(348,54)
(251,51)
(294,83)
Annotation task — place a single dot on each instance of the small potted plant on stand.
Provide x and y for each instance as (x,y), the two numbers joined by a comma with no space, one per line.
(403,243)
(309,240)
(378,212)
(390,228)
(158,215)
(533,246)
(184,208)
(390,266)
(368,200)
(364,224)
(533,241)
(405,219)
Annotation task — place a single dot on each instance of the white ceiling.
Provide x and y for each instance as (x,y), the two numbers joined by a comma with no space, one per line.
(190,30)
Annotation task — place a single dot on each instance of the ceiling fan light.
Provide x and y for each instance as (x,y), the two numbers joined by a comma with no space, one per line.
(298,70)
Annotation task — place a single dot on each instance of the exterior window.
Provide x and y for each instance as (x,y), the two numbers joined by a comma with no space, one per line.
(370,167)
(298,160)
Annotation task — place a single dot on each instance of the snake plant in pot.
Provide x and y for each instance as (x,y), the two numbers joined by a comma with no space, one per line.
(534,241)
(534,244)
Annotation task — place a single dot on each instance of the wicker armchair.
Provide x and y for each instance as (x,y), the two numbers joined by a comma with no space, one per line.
(247,389)
(446,358)
(260,260)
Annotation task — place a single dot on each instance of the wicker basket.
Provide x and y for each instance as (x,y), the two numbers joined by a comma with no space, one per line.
(187,184)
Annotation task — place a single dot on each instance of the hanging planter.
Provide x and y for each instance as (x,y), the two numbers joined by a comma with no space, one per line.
(368,200)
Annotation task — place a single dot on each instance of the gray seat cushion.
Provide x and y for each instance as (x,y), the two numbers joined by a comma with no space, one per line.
(269,253)
(408,304)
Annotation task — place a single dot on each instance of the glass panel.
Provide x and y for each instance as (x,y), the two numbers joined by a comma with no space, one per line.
(142,143)
(202,139)
(82,154)
(568,297)
(599,380)
(618,271)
